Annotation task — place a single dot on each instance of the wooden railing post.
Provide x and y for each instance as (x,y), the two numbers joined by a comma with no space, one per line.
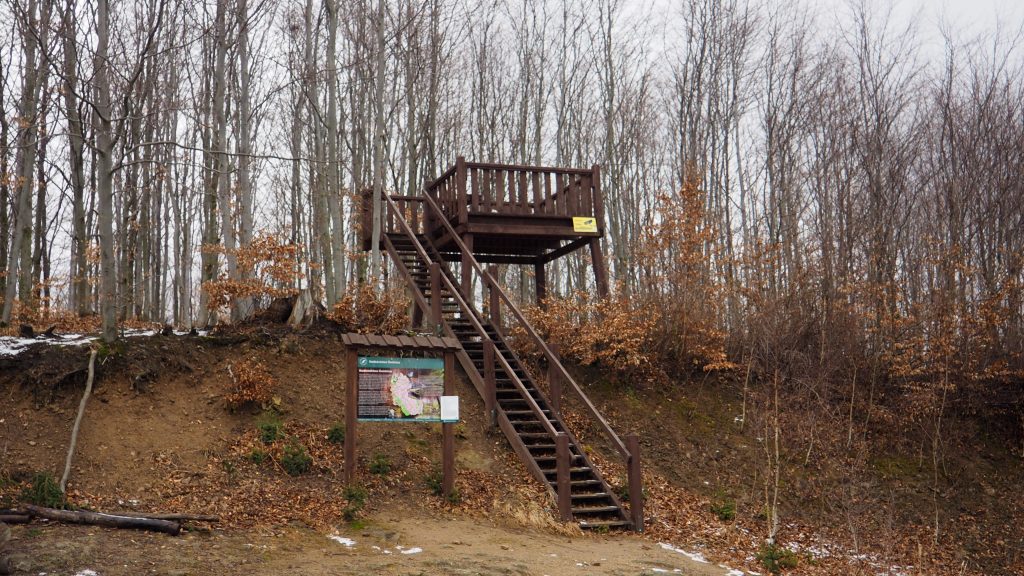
(435,298)
(494,302)
(636,483)
(562,465)
(490,386)
(467,268)
(554,379)
(460,189)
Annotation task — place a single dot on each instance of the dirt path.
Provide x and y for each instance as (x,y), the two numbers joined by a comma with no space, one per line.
(386,545)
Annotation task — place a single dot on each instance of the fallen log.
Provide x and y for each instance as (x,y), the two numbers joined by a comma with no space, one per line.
(107,520)
(175,517)
(15,518)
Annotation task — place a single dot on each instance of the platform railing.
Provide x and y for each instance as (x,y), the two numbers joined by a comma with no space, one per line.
(474,188)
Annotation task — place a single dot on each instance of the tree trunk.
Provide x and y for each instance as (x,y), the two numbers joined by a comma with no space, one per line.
(378,147)
(25,161)
(105,174)
(79,290)
(244,306)
(333,187)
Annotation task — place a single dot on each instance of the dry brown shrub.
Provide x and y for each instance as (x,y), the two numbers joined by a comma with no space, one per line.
(681,290)
(609,333)
(273,266)
(362,309)
(251,383)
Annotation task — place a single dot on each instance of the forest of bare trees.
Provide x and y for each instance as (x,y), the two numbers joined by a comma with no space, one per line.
(851,175)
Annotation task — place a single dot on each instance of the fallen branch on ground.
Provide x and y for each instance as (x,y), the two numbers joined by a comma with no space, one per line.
(176,517)
(108,520)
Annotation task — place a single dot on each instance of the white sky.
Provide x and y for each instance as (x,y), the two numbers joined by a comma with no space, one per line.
(968,17)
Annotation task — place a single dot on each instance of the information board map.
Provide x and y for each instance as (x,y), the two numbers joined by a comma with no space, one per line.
(400,388)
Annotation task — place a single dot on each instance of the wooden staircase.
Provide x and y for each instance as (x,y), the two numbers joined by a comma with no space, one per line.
(520,409)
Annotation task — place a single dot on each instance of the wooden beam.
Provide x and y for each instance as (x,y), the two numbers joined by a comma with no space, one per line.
(600,271)
(541,283)
(636,483)
(563,460)
(436,321)
(564,250)
(490,384)
(448,433)
(351,404)
(495,299)
(554,381)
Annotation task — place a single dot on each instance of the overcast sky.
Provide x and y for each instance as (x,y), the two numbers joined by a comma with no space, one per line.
(970,17)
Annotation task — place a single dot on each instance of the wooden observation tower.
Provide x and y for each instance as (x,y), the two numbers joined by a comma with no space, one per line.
(476,214)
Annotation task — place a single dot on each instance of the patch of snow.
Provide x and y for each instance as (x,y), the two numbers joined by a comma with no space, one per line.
(413,550)
(86,572)
(347,542)
(12,346)
(695,556)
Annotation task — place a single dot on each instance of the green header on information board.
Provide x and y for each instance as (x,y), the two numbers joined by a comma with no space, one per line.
(391,363)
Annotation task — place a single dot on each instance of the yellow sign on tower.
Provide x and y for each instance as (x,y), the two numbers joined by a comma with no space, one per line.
(584,224)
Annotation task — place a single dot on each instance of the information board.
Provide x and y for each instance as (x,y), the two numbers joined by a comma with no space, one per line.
(400,389)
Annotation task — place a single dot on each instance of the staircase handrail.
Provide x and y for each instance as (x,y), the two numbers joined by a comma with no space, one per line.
(469,313)
(530,331)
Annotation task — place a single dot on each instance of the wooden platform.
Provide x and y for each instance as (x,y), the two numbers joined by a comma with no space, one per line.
(507,214)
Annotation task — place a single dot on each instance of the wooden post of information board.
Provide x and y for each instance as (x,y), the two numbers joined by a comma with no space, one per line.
(429,344)
(448,432)
(351,401)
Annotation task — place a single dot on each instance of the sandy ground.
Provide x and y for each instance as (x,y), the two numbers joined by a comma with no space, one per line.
(385,545)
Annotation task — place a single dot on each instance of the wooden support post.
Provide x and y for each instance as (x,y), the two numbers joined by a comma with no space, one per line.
(495,300)
(467,269)
(541,281)
(448,432)
(596,254)
(554,380)
(417,316)
(490,386)
(562,464)
(435,299)
(351,405)
(600,271)
(636,483)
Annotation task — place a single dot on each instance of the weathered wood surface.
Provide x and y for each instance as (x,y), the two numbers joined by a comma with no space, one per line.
(107,520)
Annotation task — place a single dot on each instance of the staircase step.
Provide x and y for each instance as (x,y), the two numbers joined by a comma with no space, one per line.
(595,510)
(544,460)
(576,470)
(591,496)
(515,390)
(590,524)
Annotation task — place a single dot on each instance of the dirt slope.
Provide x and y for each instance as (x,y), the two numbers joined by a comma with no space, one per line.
(158,437)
